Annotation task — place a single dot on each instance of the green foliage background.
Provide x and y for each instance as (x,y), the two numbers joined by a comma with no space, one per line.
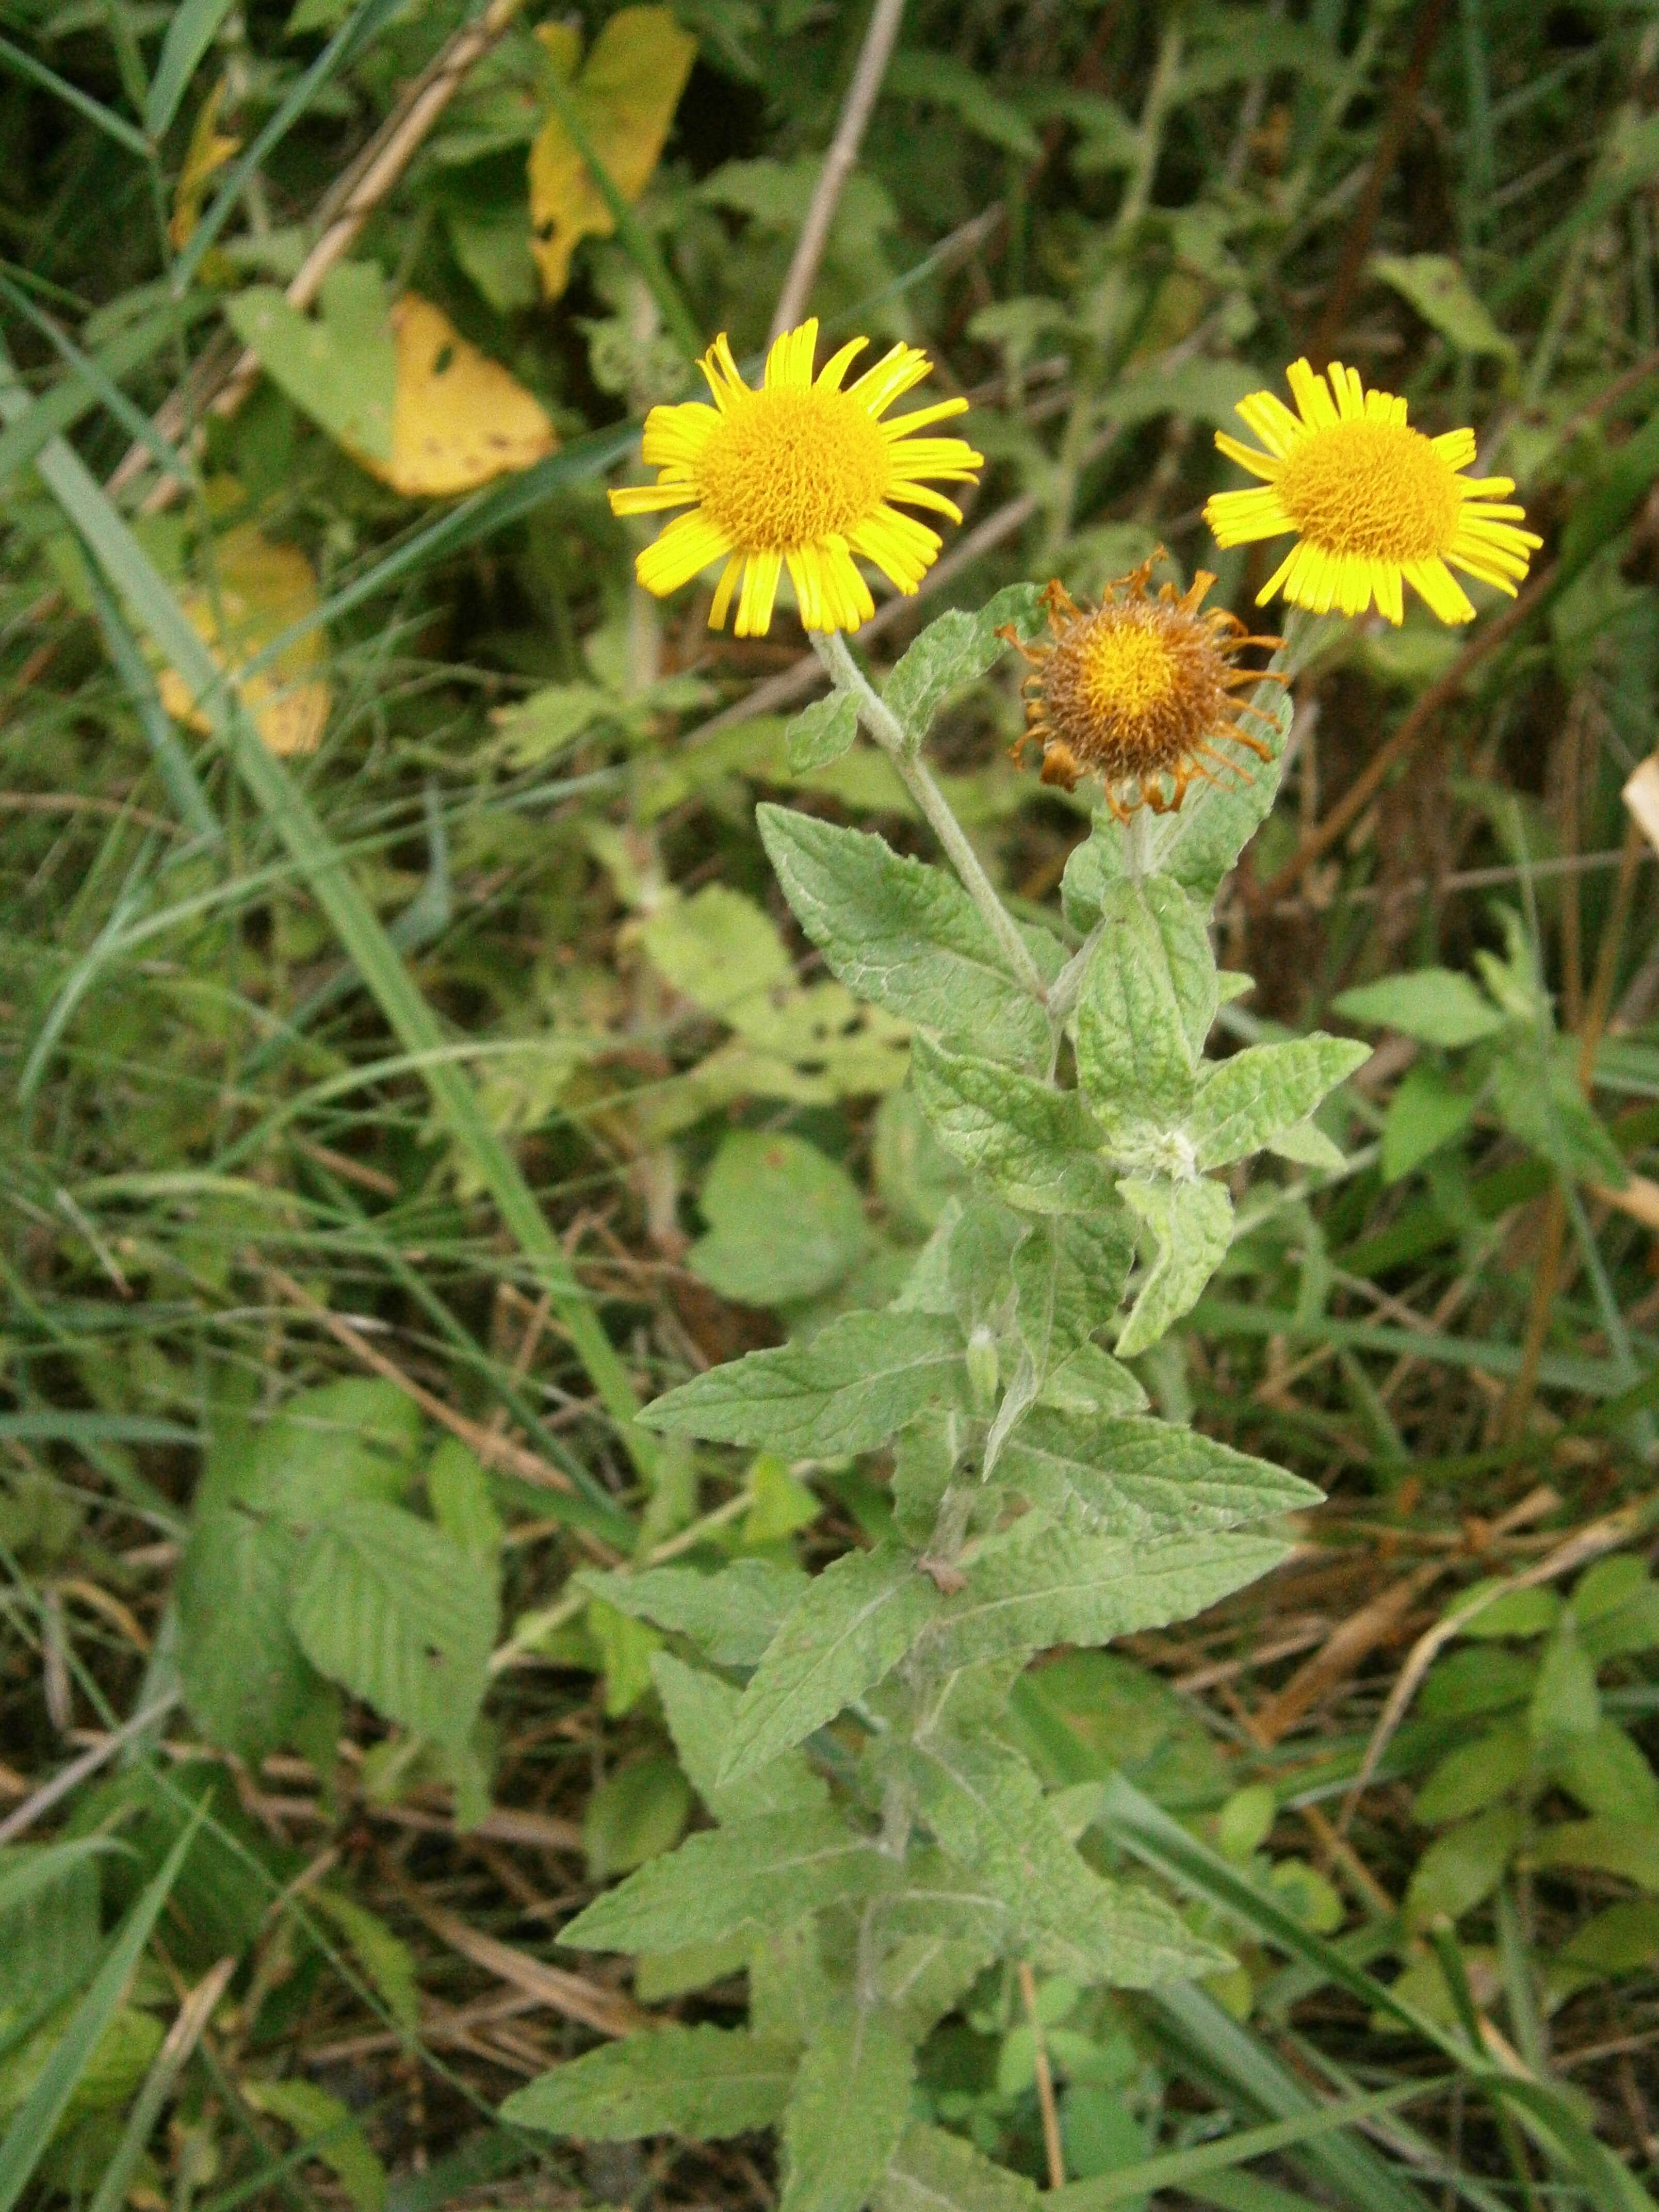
(382,1125)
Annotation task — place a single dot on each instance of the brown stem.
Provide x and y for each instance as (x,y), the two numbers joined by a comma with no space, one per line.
(1045,2079)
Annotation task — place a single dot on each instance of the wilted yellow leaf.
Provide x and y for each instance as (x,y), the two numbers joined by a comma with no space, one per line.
(458,417)
(262,587)
(209,148)
(624,100)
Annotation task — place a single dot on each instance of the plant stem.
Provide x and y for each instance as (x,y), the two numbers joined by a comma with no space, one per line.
(883,726)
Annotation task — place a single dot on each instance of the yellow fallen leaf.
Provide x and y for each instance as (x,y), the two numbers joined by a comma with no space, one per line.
(209,149)
(458,417)
(262,587)
(624,100)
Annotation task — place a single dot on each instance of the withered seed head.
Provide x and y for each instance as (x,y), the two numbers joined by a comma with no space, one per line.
(1137,689)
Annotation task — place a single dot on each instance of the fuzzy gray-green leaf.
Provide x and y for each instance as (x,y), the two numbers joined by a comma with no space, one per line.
(1245,1101)
(1192,1222)
(732,1615)
(1058,1587)
(847,1390)
(822,732)
(699,1708)
(907,936)
(855,1621)
(933,2171)
(704,2082)
(764,1872)
(1036,1145)
(846,2112)
(1126,1477)
(1133,1058)
(955,651)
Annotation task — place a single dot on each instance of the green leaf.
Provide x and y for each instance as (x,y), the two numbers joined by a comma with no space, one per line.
(1027,1593)
(1197,847)
(49,1922)
(704,2082)
(1038,1146)
(1622,1940)
(764,1872)
(1426,1111)
(854,1622)
(1629,1848)
(392,1609)
(784,1223)
(1435,285)
(340,366)
(634,1815)
(1475,1775)
(957,648)
(458,1490)
(1069,1275)
(719,949)
(732,1616)
(907,936)
(1434,1005)
(988,1812)
(845,2116)
(983,1241)
(1092,1382)
(822,732)
(934,2172)
(1463,1867)
(1607,1774)
(1539,1099)
(1107,1475)
(699,1708)
(1245,1101)
(1134,1055)
(246,1678)
(385,1959)
(348,1440)
(1192,1222)
(330,2132)
(192,30)
(847,1390)
(1565,1702)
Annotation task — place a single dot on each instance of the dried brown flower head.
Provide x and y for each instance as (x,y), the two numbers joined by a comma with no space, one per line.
(1137,691)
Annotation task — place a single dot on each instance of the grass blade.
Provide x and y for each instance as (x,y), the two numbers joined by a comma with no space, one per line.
(32,2131)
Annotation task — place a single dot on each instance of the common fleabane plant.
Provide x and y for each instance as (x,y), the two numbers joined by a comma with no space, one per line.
(878,1841)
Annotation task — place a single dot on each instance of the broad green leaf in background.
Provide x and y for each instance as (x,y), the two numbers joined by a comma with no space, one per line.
(397,1612)
(845,2113)
(633,1815)
(458,1490)
(703,2082)
(854,1622)
(1426,1111)
(1464,1866)
(624,97)
(347,1442)
(338,366)
(1436,1005)
(246,1677)
(1566,1704)
(766,1873)
(1193,1224)
(1244,1101)
(907,935)
(785,1223)
(1035,1145)
(856,1382)
(1539,1099)
(384,1957)
(1629,1848)
(1108,1475)
(1435,285)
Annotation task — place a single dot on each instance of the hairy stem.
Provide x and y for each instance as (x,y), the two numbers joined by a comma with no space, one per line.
(882,723)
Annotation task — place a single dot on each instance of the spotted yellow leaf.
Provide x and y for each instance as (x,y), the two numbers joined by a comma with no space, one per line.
(261,588)
(458,417)
(624,99)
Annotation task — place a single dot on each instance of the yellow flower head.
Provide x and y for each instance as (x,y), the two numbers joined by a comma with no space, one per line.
(1136,689)
(800,474)
(1370,501)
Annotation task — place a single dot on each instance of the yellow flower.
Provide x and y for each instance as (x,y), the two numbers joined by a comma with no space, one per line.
(1137,689)
(1372,502)
(797,474)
